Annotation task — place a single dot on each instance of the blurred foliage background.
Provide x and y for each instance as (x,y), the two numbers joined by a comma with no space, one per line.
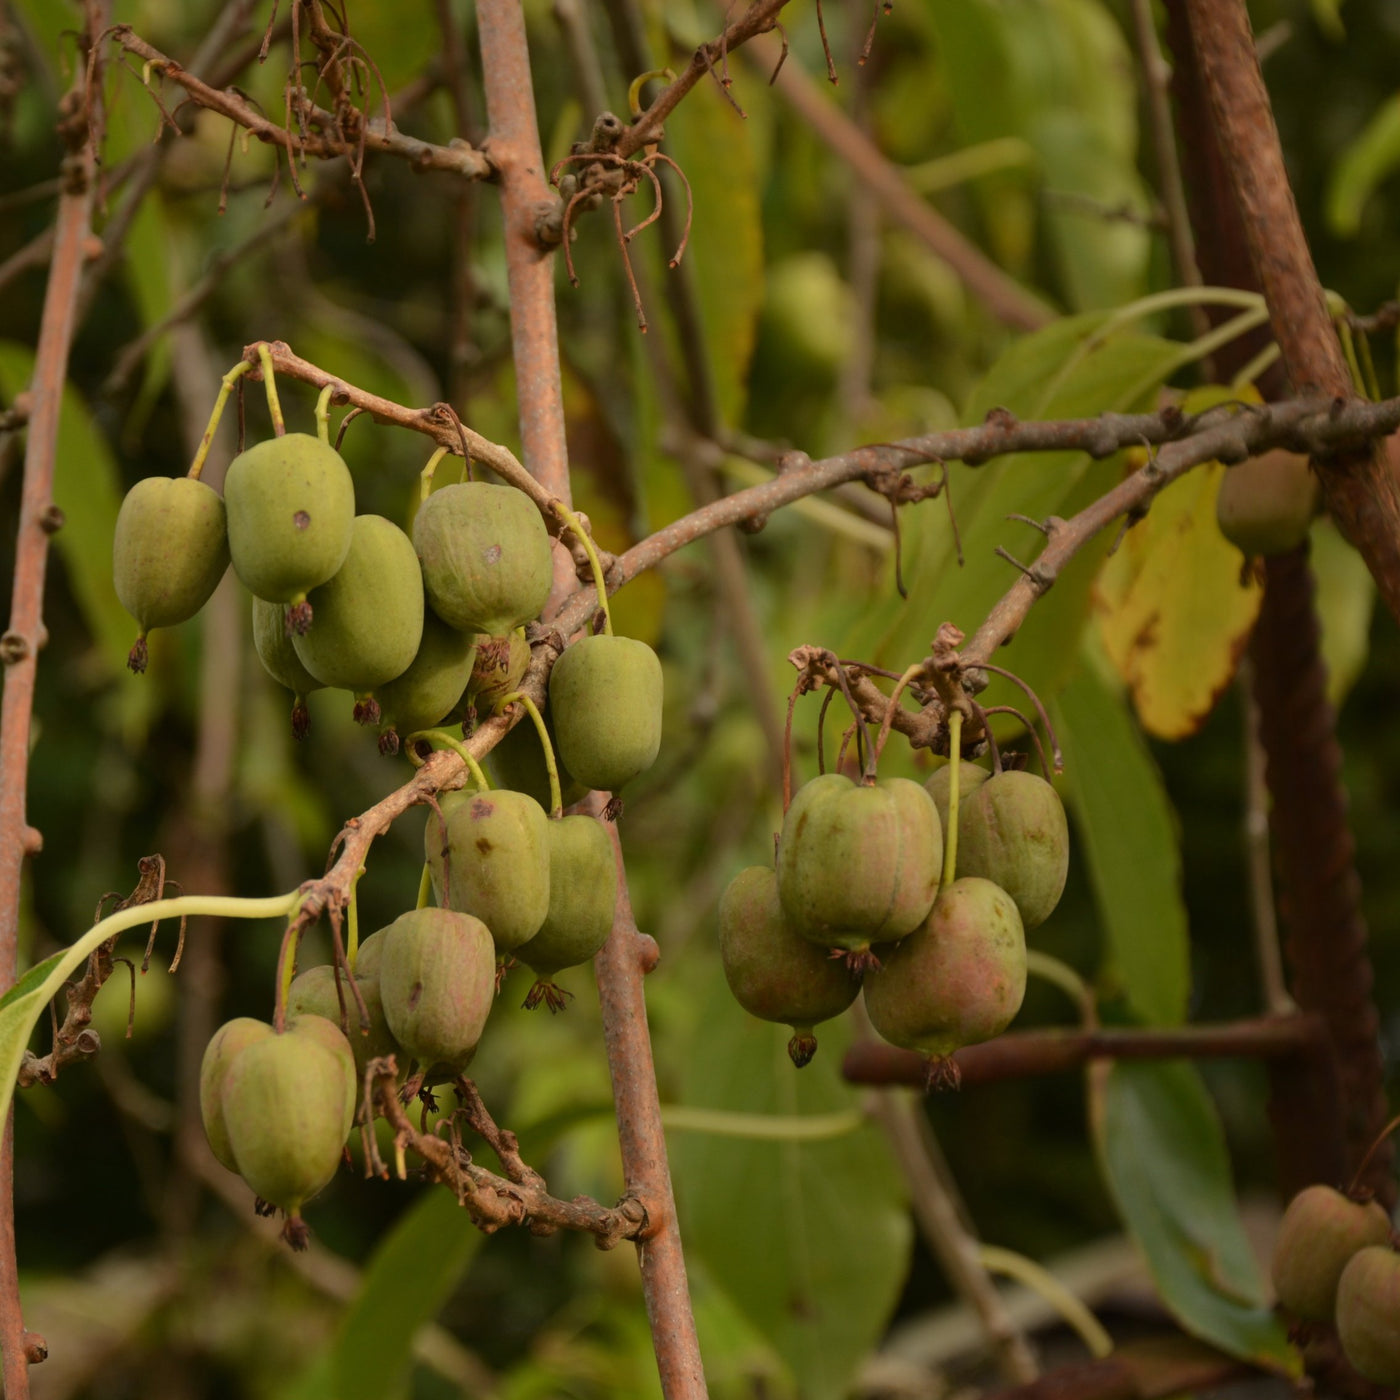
(821,326)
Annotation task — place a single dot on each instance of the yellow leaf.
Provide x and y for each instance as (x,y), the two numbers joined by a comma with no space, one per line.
(1172,609)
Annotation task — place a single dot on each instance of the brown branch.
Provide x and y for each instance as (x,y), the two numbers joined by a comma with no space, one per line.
(322,140)
(1003,297)
(1361,493)
(621,966)
(759,18)
(525,199)
(1021,1054)
(494,1201)
(20,645)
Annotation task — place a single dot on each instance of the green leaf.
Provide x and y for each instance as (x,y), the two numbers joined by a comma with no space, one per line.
(1368,160)
(835,1233)
(87,487)
(1125,827)
(1061,371)
(714,147)
(1163,1152)
(1328,14)
(410,1276)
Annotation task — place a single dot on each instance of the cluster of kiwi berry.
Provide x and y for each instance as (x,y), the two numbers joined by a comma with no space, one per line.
(1336,1264)
(412,628)
(867,893)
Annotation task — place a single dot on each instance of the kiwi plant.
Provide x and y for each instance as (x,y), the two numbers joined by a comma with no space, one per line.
(430,630)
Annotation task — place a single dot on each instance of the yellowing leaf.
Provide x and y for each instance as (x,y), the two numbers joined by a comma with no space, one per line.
(1172,610)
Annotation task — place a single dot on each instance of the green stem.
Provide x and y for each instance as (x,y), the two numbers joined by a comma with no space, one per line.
(1041,1281)
(1349,350)
(766,1127)
(581,535)
(23,1005)
(286,972)
(1063,976)
(556,798)
(352,923)
(899,686)
(1256,367)
(950,837)
(1368,368)
(425,477)
(274,406)
(425,887)
(323,414)
(437,736)
(207,441)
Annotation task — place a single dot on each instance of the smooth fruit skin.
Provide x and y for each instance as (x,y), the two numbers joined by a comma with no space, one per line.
(582,896)
(291,505)
(430,689)
(1368,1314)
(314,993)
(775,973)
(970,778)
(230,1040)
(495,853)
(859,865)
(1267,503)
(169,551)
(959,979)
(1320,1231)
(1012,831)
(369,616)
(486,556)
(606,694)
(280,660)
(288,1107)
(437,979)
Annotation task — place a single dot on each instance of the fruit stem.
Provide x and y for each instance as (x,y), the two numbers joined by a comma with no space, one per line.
(763,1127)
(457,747)
(882,738)
(323,414)
(207,441)
(581,535)
(1038,1279)
(286,971)
(352,923)
(425,477)
(950,837)
(425,887)
(556,798)
(274,406)
(1384,1133)
(1063,976)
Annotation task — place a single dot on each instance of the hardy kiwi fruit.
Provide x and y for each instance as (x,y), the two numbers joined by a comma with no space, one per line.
(1319,1233)
(169,552)
(859,865)
(291,504)
(775,973)
(281,662)
(1267,503)
(1368,1314)
(606,695)
(430,689)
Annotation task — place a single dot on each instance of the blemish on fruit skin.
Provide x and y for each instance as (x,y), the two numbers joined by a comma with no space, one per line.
(415,996)
(484,846)
(492,554)
(301,520)
(482,807)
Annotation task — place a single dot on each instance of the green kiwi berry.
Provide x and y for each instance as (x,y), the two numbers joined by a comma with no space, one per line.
(274,646)
(1012,831)
(958,979)
(582,901)
(859,864)
(1320,1231)
(1368,1314)
(971,776)
(313,992)
(426,693)
(775,973)
(224,1046)
(169,552)
(437,982)
(369,616)
(488,855)
(486,556)
(291,506)
(1267,503)
(606,697)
